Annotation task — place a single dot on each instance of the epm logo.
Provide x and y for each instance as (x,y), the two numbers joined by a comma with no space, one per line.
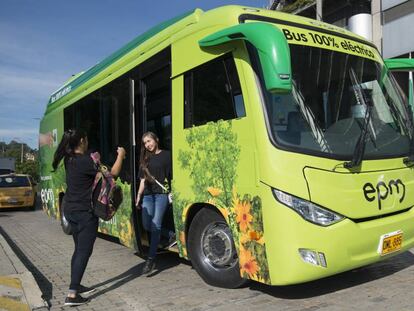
(382,190)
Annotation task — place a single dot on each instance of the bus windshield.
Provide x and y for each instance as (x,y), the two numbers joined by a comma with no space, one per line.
(325,112)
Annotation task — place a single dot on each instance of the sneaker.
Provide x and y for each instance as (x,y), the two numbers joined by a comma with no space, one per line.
(75,301)
(86,290)
(149,266)
(172,240)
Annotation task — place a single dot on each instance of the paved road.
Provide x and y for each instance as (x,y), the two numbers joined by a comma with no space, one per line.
(45,250)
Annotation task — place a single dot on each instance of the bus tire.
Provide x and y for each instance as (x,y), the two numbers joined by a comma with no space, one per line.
(212,251)
(66,226)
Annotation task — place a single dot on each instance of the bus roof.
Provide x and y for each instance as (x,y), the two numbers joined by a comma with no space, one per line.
(241,12)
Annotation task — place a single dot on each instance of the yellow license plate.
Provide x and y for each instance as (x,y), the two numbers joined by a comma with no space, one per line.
(391,242)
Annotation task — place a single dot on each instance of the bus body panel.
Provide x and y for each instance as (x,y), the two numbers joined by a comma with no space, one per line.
(51,183)
(362,195)
(345,245)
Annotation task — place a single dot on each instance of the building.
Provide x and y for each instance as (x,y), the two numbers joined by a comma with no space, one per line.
(7,165)
(29,156)
(386,23)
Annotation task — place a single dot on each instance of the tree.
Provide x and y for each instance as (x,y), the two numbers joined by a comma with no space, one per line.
(28,167)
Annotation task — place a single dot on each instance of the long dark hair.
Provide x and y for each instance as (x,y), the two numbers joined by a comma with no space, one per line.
(70,140)
(145,155)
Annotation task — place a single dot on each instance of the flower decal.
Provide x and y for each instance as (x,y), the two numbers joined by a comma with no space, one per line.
(243,216)
(248,264)
(215,192)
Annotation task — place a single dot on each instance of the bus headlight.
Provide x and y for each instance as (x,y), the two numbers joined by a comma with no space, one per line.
(308,210)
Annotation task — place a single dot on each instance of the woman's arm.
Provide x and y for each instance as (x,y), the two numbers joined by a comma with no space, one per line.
(140,191)
(116,168)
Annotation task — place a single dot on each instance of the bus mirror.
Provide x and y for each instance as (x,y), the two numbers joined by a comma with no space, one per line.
(271,46)
(400,64)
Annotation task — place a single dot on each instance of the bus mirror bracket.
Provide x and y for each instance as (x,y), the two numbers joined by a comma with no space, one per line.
(400,64)
(271,46)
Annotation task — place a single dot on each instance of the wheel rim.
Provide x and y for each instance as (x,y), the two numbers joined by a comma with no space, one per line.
(218,247)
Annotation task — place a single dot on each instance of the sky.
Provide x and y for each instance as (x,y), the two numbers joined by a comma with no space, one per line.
(44,42)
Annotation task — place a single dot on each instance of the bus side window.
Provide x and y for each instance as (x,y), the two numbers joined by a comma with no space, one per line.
(212,92)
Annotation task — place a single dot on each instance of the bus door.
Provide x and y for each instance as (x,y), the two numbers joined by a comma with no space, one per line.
(153,113)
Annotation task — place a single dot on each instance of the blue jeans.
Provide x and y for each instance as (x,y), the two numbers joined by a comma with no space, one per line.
(153,210)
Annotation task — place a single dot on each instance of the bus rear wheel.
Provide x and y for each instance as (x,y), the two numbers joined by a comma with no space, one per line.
(212,251)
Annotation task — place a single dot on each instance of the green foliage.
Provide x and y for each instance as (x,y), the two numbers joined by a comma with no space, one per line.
(14,150)
(18,150)
(212,160)
(29,167)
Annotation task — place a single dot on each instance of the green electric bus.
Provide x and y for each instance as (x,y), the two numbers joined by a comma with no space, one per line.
(292,146)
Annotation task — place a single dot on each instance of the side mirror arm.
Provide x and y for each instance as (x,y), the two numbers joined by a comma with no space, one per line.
(272,47)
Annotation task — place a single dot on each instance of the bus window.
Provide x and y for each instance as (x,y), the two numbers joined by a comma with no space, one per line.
(104,115)
(115,123)
(158,105)
(212,93)
(85,114)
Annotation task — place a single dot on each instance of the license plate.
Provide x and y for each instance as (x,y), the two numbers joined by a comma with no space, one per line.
(12,201)
(390,242)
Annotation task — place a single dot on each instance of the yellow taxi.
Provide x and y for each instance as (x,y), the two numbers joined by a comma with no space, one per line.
(17,190)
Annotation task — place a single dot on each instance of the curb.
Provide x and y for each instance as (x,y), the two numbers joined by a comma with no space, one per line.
(23,280)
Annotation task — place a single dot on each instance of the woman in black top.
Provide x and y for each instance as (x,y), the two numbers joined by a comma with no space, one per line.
(80,174)
(154,169)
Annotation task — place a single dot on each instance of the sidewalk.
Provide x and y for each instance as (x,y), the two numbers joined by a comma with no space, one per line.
(18,289)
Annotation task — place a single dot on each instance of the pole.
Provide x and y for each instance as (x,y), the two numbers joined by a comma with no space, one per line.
(319,10)
(410,88)
(21,157)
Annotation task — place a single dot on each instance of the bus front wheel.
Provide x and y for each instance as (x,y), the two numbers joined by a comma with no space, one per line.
(212,251)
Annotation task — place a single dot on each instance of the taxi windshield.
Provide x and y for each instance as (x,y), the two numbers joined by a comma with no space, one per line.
(14,181)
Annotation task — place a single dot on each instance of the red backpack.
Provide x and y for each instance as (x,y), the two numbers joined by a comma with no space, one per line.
(106,194)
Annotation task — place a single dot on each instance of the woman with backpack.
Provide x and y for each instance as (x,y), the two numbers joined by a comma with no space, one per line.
(80,174)
(154,185)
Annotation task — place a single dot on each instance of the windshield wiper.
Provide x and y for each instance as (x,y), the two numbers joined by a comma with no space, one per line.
(360,145)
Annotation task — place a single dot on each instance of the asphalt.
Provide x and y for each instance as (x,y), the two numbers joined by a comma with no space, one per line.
(18,288)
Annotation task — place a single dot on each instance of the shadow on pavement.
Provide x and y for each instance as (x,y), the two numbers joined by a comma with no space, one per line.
(341,281)
(44,284)
(163,262)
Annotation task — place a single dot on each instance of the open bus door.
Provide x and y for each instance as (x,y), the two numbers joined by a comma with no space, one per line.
(151,111)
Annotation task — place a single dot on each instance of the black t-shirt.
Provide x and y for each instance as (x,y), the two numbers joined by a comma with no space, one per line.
(80,174)
(159,166)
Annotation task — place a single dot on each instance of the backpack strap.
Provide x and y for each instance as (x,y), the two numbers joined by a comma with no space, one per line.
(96,158)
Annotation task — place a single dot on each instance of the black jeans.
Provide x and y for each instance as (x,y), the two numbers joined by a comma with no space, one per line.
(85,228)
